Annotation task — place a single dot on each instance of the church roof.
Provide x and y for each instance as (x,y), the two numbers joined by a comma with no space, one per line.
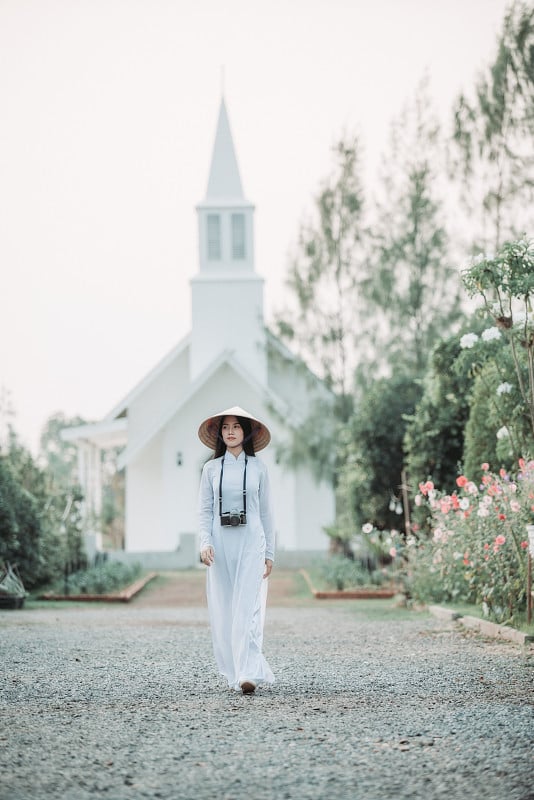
(121,409)
(224,182)
(226,357)
(105,434)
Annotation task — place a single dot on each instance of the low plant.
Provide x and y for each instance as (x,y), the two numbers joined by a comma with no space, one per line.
(477,551)
(101,579)
(339,572)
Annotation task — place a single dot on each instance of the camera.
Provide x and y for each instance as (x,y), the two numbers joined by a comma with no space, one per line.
(234,518)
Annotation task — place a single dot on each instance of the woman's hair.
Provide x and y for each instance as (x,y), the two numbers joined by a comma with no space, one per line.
(248,443)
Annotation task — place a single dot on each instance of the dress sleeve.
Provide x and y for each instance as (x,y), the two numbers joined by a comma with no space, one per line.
(266,514)
(205,508)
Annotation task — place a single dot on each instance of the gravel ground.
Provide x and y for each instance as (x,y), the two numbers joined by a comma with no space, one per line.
(122,702)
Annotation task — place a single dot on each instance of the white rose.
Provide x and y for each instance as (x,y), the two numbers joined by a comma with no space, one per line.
(468,340)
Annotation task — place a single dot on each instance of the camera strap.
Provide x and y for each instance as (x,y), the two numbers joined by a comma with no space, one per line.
(244,487)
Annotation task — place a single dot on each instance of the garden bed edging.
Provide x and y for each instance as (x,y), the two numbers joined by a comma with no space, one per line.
(348,594)
(123,596)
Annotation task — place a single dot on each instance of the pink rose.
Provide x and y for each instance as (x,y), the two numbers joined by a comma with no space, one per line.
(499,540)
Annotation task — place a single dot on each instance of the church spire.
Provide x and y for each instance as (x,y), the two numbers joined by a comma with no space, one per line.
(224,179)
(226,279)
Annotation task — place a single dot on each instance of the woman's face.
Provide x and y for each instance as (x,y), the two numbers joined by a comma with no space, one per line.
(232,432)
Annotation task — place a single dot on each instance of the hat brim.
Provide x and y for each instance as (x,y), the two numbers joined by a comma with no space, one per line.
(208,430)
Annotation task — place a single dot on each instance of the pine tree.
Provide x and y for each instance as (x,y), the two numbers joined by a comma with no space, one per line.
(494,136)
(325,321)
(413,291)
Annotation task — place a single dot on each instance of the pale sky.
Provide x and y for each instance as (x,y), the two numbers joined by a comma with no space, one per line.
(107,118)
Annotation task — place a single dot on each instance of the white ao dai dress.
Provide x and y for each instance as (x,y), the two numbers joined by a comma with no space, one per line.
(236,589)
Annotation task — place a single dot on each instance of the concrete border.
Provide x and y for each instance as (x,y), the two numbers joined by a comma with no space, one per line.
(483,626)
(124,596)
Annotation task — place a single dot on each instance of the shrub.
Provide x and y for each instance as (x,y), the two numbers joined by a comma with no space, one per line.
(100,579)
(341,573)
(478,549)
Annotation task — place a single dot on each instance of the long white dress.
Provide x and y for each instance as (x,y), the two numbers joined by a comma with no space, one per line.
(236,589)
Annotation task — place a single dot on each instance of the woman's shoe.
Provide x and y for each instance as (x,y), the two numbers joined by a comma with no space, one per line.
(248,687)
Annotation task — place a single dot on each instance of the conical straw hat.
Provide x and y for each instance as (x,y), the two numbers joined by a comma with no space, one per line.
(207,433)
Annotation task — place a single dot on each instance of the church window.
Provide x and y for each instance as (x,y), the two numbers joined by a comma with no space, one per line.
(238,236)
(214,237)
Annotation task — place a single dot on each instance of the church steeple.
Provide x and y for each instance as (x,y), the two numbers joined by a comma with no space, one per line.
(225,217)
(224,179)
(227,293)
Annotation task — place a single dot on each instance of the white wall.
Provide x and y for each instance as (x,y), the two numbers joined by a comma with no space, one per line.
(315,505)
(144,499)
(228,315)
(162,496)
(158,398)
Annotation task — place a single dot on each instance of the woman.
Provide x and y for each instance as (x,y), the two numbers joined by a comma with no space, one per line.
(237,544)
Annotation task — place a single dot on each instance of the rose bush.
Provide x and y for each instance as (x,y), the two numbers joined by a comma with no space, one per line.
(477,551)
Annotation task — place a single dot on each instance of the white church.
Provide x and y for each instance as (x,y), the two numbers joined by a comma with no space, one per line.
(227,359)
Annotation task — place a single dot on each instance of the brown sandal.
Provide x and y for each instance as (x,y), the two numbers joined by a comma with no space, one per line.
(248,687)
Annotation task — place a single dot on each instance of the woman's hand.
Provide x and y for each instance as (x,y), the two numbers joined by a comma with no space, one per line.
(268,567)
(207,556)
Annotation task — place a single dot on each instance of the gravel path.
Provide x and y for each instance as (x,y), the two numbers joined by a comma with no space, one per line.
(122,702)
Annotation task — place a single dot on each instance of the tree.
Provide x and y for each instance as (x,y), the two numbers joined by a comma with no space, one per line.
(61,457)
(40,529)
(40,521)
(494,135)
(21,525)
(505,284)
(324,279)
(435,435)
(371,474)
(413,291)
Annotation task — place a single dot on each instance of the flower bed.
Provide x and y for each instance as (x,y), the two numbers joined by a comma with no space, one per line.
(478,549)
(109,581)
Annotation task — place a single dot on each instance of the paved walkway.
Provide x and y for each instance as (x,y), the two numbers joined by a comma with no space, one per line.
(122,702)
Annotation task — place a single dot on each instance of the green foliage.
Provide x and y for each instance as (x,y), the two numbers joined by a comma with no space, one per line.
(480,434)
(341,573)
(434,439)
(371,474)
(324,276)
(61,457)
(40,524)
(313,442)
(413,291)
(494,133)
(350,476)
(21,525)
(478,551)
(505,283)
(101,579)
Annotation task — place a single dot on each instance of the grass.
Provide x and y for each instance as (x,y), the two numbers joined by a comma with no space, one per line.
(375,610)
(372,609)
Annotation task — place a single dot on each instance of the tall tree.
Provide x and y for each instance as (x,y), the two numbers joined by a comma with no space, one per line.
(413,291)
(61,457)
(494,136)
(324,277)
(372,472)
(40,526)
